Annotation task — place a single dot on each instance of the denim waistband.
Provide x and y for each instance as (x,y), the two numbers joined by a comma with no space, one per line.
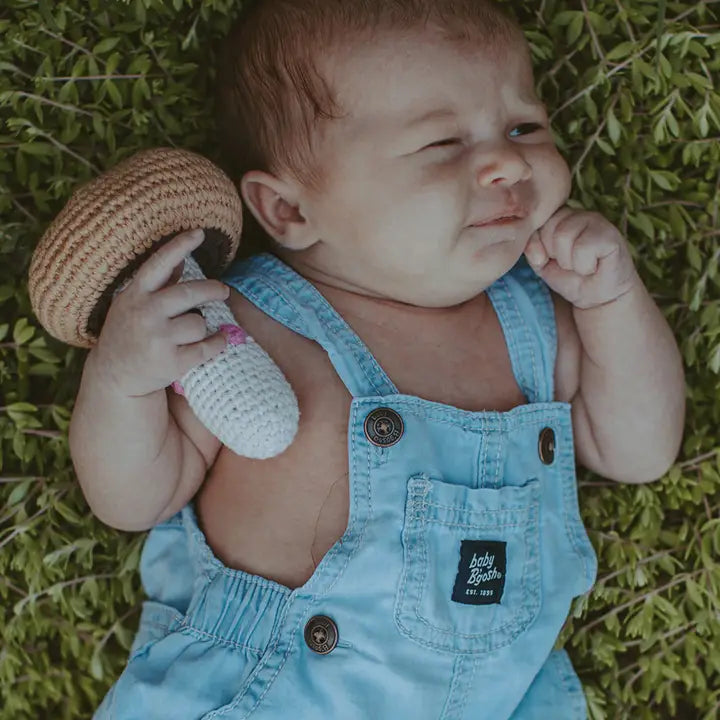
(229,606)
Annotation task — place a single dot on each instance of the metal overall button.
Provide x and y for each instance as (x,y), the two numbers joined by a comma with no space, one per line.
(546,445)
(321,634)
(383,427)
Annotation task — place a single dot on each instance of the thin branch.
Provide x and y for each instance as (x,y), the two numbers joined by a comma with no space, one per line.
(642,561)
(695,462)
(662,652)
(47,101)
(5,480)
(100,77)
(664,636)
(68,583)
(29,217)
(678,579)
(591,141)
(598,49)
(43,433)
(67,42)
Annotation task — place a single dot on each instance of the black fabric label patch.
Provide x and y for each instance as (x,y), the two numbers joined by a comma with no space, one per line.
(481,572)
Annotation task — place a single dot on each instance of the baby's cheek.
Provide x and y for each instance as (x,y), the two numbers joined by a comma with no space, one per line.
(554,182)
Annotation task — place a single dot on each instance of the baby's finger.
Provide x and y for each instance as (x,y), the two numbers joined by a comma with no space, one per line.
(535,251)
(176,273)
(157,271)
(200,352)
(560,243)
(564,282)
(182,297)
(554,220)
(188,328)
(587,252)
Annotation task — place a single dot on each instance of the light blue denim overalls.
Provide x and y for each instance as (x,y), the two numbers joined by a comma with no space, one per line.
(445,595)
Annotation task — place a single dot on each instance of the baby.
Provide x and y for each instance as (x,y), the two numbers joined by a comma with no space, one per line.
(456,336)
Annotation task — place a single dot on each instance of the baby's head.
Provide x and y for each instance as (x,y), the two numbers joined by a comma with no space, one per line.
(372,135)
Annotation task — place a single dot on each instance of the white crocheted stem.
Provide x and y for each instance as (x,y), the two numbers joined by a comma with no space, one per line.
(240,395)
(216,313)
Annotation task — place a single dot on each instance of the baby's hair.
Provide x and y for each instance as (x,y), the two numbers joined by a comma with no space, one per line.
(270,96)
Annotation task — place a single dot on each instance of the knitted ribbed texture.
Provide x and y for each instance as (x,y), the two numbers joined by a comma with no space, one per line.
(103,234)
(116,219)
(240,395)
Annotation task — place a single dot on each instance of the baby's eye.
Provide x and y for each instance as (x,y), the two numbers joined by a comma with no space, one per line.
(443,143)
(525,128)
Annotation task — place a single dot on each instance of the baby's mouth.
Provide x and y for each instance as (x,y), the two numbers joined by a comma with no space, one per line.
(504,220)
(505,217)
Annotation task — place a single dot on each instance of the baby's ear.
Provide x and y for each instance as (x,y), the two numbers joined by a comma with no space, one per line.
(274,203)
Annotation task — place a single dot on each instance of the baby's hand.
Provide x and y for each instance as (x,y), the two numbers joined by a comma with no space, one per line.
(583,257)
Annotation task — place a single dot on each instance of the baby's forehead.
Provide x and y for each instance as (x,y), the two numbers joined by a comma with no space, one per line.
(395,77)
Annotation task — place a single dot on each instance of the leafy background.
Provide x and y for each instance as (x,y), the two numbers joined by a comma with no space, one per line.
(632,89)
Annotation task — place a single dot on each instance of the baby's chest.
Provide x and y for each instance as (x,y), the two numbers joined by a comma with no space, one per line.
(278,517)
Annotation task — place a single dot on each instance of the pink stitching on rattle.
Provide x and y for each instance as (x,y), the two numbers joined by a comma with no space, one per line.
(234,333)
(235,336)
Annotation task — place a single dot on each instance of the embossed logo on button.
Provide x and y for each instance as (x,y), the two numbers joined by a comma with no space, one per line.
(383,427)
(321,634)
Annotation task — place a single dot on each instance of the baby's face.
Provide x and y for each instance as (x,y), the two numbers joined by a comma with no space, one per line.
(412,203)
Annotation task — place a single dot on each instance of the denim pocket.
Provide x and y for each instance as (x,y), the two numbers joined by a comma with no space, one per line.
(471,569)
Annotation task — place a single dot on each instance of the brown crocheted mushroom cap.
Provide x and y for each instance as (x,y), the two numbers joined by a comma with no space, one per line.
(113,223)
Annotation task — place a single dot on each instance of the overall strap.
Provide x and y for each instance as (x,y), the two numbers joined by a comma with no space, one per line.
(525,309)
(284,295)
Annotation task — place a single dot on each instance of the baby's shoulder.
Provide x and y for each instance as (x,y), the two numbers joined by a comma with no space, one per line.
(567,361)
(299,358)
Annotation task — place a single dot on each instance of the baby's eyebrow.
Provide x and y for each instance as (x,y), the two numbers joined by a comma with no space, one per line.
(431,116)
(446,113)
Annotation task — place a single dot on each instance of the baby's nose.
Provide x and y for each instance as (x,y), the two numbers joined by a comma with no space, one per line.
(503,167)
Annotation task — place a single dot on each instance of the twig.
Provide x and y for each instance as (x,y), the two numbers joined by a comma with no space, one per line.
(678,579)
(693,462)
(47,101)
(598,49)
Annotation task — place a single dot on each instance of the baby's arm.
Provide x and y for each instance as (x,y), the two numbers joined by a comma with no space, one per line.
(132,459)
(627,395)
(628,400)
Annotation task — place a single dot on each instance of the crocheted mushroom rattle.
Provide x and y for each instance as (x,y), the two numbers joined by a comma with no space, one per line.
(108,228)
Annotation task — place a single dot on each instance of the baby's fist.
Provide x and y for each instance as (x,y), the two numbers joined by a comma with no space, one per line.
(582,257)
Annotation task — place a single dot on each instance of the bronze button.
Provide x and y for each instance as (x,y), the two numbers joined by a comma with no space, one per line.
(546,445)
(383,427)
(321,634)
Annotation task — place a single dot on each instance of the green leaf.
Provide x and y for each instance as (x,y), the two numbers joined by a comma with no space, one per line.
(622,50)
(105,45)
(37,148)
(642,222)
(21,407)
(613,126)
(22,332)
(575,28)
(19,492)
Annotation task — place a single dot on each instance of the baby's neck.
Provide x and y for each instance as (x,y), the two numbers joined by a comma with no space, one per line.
(373,314)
